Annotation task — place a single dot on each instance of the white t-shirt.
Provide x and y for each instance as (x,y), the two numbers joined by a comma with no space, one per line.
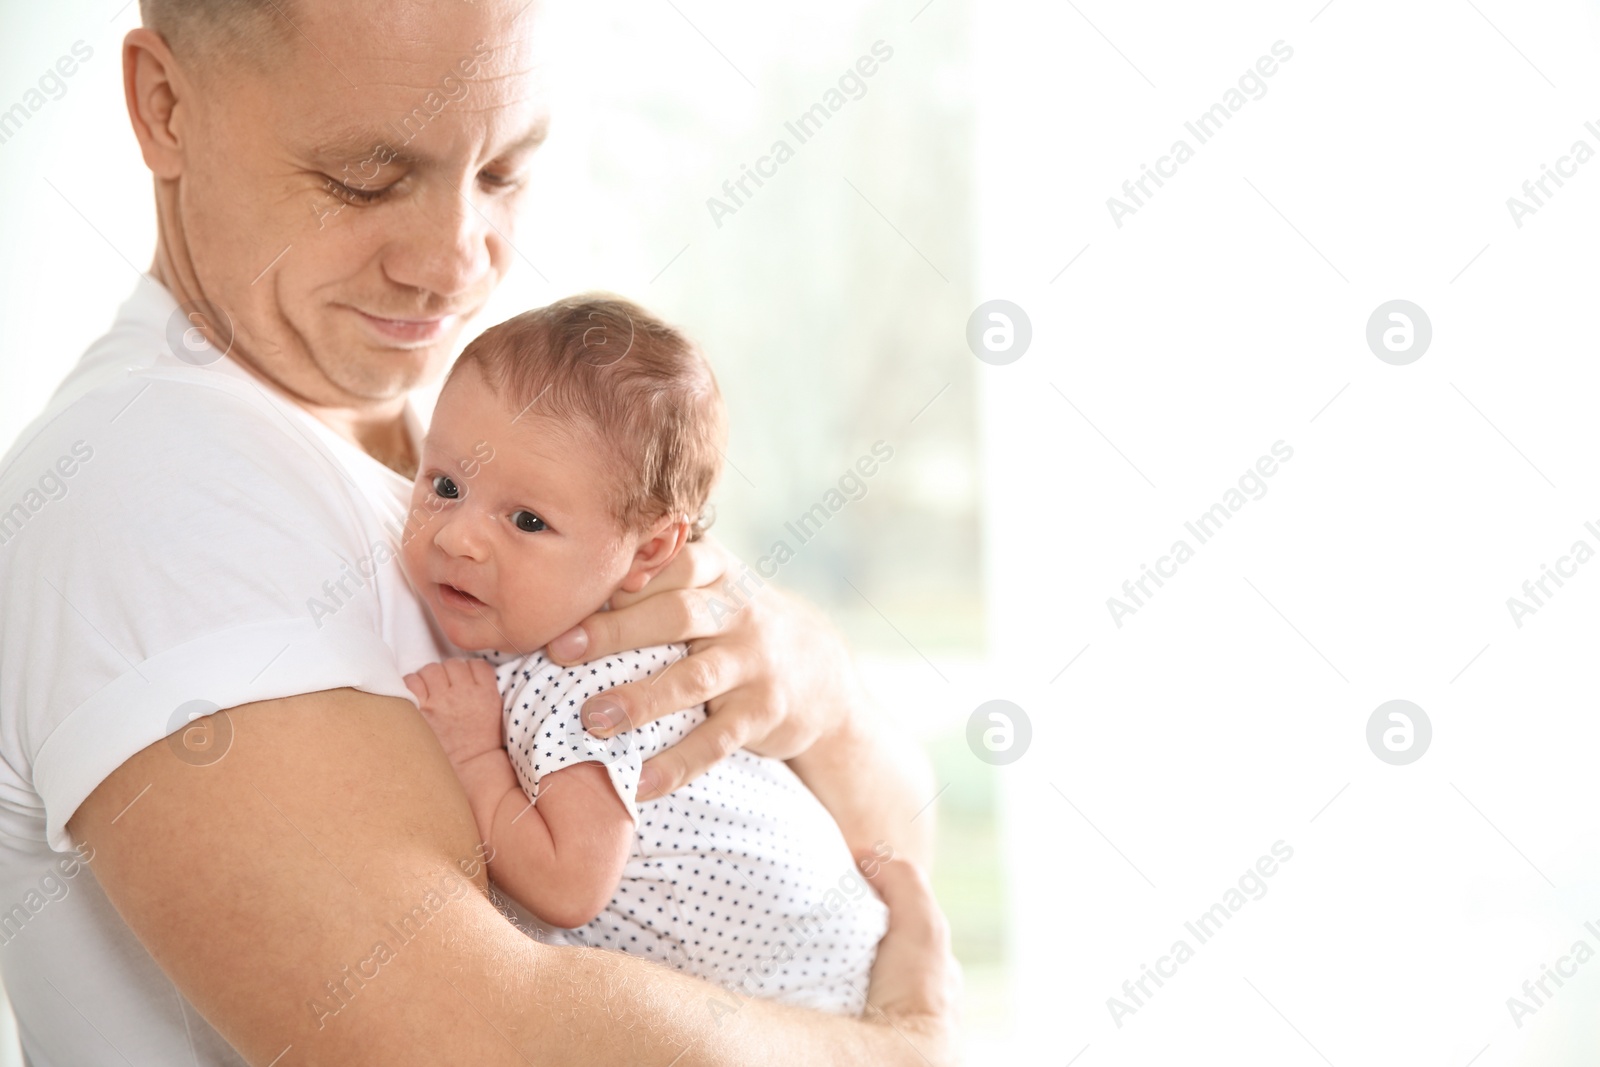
(174,538)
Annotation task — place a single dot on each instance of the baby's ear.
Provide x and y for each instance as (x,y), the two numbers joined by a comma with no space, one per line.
(657,548)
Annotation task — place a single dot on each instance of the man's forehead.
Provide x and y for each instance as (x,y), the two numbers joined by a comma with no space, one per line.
(424,35)
(382,59)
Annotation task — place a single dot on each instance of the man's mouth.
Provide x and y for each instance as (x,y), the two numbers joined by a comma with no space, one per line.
(406,332)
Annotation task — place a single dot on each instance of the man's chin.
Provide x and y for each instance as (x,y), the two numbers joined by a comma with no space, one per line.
(377,374)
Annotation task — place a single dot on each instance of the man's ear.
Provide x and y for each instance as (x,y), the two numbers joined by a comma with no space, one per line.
(150,86)
(656,549)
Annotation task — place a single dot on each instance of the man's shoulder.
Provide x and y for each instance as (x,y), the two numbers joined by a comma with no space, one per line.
(157,414)
(150,437)
(136,470)
(150,393)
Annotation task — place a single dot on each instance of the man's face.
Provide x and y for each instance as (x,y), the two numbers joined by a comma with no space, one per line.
(512,538)
(353,203)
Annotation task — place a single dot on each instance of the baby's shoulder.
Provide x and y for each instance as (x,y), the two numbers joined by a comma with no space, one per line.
(537,681)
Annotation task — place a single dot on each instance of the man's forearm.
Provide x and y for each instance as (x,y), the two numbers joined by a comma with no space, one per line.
(876,786)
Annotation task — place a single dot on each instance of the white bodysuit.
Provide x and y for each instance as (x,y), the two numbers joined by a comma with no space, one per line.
(740,877)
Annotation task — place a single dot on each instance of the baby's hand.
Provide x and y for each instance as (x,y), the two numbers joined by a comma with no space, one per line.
(461,703)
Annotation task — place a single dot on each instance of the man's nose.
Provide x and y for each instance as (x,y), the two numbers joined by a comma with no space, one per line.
(459,535)
(443,247)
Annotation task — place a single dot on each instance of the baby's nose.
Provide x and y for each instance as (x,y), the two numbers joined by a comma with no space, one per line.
(459,536)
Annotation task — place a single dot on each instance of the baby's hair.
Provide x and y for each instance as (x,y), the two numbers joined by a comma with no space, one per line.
(644,388)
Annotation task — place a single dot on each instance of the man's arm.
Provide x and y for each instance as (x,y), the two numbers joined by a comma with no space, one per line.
(777,679)
(306,893)
(877,787)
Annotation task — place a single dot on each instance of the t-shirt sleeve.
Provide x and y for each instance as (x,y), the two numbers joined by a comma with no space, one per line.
(168,575)
(544,730)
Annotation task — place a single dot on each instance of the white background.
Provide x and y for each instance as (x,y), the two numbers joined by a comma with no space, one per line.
(1229,313)
(1214,723)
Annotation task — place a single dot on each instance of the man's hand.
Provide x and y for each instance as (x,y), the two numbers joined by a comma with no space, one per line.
(916,982)
(460,701)
(777,680)
(775,675)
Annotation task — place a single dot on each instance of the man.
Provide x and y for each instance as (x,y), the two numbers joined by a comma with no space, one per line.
(205,519)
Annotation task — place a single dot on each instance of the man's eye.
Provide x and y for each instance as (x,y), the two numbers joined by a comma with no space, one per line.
(445,487)
(499,182)
(527,521)
(354,195)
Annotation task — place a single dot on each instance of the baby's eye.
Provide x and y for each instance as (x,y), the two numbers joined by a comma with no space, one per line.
(445,487)
(527,521)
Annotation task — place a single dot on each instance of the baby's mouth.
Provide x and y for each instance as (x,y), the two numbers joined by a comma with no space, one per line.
(460,599)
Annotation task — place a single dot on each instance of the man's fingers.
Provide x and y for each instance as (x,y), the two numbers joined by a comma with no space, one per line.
(678,615)
(914,976)
(713,740)
(692,680)
(913,912)
(700,564)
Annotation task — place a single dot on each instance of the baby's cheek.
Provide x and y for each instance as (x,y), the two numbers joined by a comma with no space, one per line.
(561,599)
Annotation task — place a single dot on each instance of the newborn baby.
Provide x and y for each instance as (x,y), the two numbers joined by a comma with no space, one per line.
(570,457)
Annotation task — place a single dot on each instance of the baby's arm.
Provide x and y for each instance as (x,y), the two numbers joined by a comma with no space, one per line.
(562,858)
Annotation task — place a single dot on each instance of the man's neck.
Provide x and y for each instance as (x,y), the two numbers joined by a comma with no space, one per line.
(380,430)
(386,437)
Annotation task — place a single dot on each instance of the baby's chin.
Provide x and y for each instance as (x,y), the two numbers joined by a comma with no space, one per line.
(481,636)
(472,636)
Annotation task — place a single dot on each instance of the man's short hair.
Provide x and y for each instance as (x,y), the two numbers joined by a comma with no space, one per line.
(239,28)
(643,388)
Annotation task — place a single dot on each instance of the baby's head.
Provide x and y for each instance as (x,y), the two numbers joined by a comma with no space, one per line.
(571,454)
